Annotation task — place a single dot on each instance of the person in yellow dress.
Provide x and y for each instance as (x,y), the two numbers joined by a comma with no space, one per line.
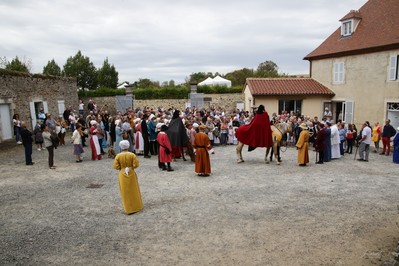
(126,162)
(303,145)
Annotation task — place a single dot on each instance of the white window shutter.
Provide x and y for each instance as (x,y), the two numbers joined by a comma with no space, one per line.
(341,72)
(45,107)
(348,116)
(32,113)
(335,72)
(392,68)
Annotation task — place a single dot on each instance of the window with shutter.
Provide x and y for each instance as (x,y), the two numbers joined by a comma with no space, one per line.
(393,68)
(339,73)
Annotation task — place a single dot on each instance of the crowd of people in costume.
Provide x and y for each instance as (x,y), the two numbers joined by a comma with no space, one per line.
(171,134)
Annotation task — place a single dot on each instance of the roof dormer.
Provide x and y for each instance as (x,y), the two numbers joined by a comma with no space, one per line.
(350,23)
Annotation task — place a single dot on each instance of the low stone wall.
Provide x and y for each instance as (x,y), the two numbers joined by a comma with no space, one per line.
(225,101)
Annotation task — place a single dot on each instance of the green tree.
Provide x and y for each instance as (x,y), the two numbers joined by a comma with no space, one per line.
(267,69)
(52,68)
(83,69)
(107,76)
(238,77)
(198,77)
(146,84)
(18,65)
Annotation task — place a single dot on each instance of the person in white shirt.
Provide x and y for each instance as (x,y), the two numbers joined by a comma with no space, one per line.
(364,143)
(72,121)
(81,107)
(335,141)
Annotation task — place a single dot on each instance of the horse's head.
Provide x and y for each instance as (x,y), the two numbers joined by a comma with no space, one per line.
(284,127)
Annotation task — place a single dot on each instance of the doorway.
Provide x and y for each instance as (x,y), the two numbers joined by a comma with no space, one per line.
(393,114)
(34,110)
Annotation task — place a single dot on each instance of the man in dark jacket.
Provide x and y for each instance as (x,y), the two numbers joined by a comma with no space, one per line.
(66,115)
(27,140)
(177,135)
(146,137)
(387,133)
(320,142)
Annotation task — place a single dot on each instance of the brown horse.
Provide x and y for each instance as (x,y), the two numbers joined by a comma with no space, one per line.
(279,129)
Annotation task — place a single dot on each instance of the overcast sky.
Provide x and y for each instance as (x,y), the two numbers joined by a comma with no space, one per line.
(170,39)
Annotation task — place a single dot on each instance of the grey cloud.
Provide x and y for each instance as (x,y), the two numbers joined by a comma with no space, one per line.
(164,40)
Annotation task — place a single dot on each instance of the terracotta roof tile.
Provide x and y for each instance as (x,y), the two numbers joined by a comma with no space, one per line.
(286,86)
(378,30)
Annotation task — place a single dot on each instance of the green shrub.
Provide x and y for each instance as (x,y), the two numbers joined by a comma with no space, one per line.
(166,92)
(179,92)
(218,89)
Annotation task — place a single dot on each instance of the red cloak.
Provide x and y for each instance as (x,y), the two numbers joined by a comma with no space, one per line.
(258,133)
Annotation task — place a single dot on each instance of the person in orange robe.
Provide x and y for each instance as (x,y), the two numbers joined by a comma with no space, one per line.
(303,145)
(202,160)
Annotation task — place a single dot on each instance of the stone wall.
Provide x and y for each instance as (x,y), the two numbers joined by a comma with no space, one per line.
(18,91)
(226,101)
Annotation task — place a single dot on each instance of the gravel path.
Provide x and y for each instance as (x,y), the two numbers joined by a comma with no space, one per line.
(344,212)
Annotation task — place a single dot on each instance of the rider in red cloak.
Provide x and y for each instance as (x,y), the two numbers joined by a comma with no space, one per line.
(258,133)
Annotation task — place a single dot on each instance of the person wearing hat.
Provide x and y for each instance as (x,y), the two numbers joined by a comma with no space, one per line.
(126,162)
(165,149)
(202,160)
(303,145)
(396,147)
(94,145)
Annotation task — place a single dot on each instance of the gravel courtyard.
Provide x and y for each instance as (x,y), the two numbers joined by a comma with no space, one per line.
(344,212)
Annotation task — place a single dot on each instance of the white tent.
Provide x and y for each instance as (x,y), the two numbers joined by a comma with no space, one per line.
(208,81)
(123,85)
(218,80)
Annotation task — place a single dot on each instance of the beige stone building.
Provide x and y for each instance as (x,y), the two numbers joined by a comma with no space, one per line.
(359,63)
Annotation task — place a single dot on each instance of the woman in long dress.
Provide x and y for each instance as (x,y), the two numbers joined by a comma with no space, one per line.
(139,141)
(118,136)
(94,145)
(126,162)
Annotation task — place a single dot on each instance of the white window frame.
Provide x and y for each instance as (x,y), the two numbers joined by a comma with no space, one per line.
(339,73)
(347,27)
(393,71)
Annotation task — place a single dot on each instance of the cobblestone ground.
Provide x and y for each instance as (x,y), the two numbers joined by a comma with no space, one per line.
(344,212)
